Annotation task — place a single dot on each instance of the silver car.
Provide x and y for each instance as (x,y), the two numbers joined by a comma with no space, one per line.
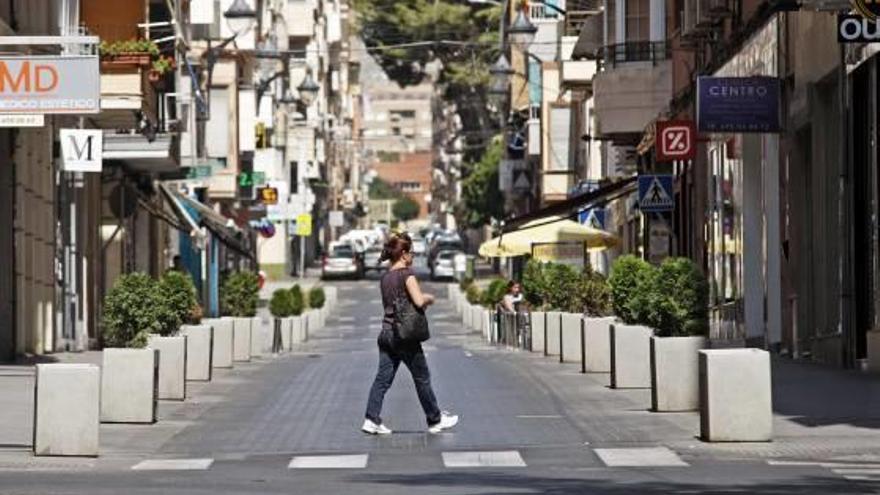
(444,265)
(371,259)
(341,261)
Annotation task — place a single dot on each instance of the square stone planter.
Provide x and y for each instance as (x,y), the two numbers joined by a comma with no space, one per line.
(314,320)
(570,338)
(735,395)
(490,328)
(675,373)
(260,337)
(286,325)
(538,328)
(554,334)
(241,334)
(597,345)
(477,318)
(67,409)
(172,365)
(129,385)
(223,346)
(199,350)
(297,330)
(630,356)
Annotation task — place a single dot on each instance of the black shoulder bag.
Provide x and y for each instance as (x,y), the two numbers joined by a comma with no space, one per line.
(409,321)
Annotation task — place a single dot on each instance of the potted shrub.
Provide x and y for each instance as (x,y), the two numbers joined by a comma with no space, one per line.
(122,53)
(160,66)
(130,372)
(317,299)
(281,307)
(299,330)
(238,299)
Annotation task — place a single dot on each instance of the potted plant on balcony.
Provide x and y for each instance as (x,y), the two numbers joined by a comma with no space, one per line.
(161,66)
(127,53)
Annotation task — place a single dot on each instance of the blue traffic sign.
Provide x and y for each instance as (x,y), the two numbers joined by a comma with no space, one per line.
(655,193)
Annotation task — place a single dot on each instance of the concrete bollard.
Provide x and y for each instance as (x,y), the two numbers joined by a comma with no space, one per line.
(554,328)
(735,395)
(570,340)
(630,356)
(597,345)
(259,336)
(675,373)
(67,409)
(129,380)
(224,342)
(539,334)
(172,365)
(199,349)
(241,334)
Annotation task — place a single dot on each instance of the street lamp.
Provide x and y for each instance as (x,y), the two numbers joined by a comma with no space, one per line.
(240,17)
(501,69)
(522,32)
(308,90)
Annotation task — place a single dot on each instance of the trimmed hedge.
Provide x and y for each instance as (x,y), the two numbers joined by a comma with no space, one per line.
(316,297)
(559,287)
(133,309)
(281,303)
(297,301)
(239,294)
(179,301)
(494,293)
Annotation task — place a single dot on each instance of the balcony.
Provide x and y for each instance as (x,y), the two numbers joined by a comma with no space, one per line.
(633,86)
(578,73)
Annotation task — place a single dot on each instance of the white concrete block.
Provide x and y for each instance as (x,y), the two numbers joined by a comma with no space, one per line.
(466,315)
(735,395)
(241,334)
(554,329)
(630,356)
(286,333)
(260,334)
(597,345)
(539,319)
(199,347)
(224,341)
(570,343)
(297,330)
(172,365)
(477,318)
(675,373)
(489,326)
(129,385)
(67,409)
(314,321)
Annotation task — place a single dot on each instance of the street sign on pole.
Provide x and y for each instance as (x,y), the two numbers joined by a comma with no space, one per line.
(655,193)
(268,195)
(675,140)
(336,218)
(304,225)
(81,150)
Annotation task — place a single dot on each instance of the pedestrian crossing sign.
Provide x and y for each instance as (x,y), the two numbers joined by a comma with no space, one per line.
(655,193)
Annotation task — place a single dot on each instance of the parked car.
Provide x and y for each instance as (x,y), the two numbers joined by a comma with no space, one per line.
(419,246)
(444,264)
(444,243)
(341,260)
(371,259)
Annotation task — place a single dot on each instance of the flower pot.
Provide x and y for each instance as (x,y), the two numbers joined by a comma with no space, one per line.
(539,320)
(67,409)
(630,356)
(154,76)
(570,338)
(241,334)
(172,365)
(129,385)
(735,395)
(260,337)
(199,347)
(675,373)
(597,345)
(554,330)
(222,352)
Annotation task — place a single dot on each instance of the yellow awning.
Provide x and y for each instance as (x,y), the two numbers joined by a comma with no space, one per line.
(544,230)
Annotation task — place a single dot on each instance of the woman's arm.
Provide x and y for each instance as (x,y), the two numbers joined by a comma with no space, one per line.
(418,297)
(507,303)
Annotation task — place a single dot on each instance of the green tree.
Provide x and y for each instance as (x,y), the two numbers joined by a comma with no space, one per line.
(412,36)
(281,303)
(405,209)
(481,198)
(316,297)
(631,280)
(297,301)
(379,189)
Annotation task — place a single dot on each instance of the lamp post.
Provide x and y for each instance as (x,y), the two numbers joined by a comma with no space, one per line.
(240,17)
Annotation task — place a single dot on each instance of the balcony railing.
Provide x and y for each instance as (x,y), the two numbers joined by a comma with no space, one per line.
(634,51)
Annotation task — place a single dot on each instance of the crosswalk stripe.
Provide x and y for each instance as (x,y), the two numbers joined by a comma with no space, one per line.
(505,458)
(640,457)
(355,461)
(173,465)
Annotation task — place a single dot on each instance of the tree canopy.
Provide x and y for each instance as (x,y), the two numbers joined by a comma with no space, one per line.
(482,199)
(405,209)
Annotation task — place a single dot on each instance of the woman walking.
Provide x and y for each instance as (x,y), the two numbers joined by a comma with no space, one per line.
(399,282)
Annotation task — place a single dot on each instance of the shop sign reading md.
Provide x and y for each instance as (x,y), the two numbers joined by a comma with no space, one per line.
(50,84)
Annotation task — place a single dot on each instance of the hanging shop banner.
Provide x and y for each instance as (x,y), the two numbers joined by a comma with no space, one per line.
(738,104)
(568,253)
(52,84)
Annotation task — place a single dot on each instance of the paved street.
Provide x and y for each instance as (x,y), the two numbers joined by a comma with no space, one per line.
(529,425)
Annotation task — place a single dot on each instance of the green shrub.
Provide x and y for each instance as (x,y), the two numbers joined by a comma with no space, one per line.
(560,287)
(630,278)
(281,303)
(593,294)
(316,297)
(534,284)
(297,302)
(465,283)
(473,294)
(179,301)
(239,294)
(494,293)
(132,310)
(685,294)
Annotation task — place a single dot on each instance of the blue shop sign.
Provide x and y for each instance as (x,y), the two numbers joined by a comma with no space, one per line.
(738,104)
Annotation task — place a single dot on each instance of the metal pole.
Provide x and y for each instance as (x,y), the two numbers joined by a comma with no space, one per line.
(302,257)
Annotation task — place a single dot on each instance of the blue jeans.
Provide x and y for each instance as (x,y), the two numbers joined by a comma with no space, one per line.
(390,358)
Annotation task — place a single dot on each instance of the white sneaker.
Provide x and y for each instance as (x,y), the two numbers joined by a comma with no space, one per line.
(447,421)
(374,429)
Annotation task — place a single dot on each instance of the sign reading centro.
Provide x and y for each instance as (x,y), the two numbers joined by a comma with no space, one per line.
(50,84)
